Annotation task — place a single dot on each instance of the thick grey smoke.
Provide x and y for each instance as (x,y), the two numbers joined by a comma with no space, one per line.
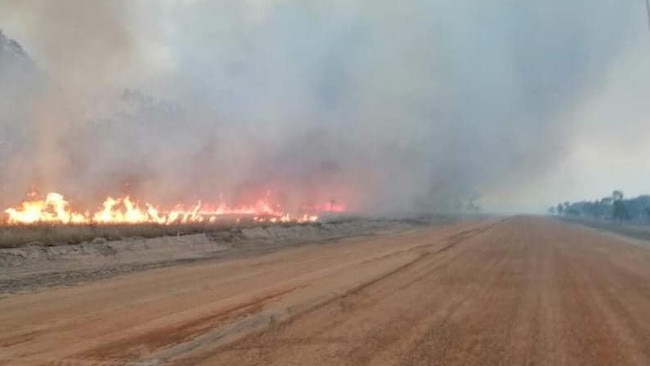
(387,106)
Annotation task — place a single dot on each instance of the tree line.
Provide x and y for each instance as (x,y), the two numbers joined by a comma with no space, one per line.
(615,207)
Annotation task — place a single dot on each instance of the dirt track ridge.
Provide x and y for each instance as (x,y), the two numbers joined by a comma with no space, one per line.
(520,291)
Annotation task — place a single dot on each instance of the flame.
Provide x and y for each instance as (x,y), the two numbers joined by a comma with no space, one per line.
(55,209)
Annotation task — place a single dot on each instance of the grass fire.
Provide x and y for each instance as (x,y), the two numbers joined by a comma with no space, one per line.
(55,209)
(302,182)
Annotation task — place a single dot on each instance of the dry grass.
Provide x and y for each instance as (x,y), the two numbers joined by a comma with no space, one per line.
(635,231)
(52,235)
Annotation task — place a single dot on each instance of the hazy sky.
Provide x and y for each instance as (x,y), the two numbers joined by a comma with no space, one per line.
(610,144)
(391,106)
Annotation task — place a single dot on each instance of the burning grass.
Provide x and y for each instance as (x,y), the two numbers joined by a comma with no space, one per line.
(52,220)
(55,209)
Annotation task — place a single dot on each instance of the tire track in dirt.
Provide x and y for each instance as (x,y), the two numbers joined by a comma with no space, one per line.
(520,291)
(357,300)
(172,311)
(509,297)
(305,311)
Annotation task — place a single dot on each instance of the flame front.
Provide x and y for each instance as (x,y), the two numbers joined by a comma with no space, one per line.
(54,209)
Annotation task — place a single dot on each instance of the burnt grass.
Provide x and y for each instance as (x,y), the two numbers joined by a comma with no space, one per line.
(14,236)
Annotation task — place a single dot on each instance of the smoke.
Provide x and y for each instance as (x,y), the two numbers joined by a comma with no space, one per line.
(388,107)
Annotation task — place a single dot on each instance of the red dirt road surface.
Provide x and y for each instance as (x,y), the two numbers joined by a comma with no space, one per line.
(518,291)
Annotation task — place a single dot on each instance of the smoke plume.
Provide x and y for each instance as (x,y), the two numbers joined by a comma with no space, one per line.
(387,106)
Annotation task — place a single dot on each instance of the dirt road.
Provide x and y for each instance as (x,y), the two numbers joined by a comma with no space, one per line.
(519,291)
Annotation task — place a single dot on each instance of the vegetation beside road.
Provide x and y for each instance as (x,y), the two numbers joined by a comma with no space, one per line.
(613,208)
(51,235)
(640,232)
(628,217)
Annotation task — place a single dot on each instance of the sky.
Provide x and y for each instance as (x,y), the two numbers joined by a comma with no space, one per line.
(388,106)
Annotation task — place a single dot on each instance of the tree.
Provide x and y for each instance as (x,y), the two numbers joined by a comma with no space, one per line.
(620,212)
(560,209)
(617,195)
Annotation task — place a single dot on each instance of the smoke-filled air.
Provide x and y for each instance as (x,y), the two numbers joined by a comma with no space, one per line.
(303,107)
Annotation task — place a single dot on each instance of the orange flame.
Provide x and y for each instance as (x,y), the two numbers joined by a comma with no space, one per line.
(54,209)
